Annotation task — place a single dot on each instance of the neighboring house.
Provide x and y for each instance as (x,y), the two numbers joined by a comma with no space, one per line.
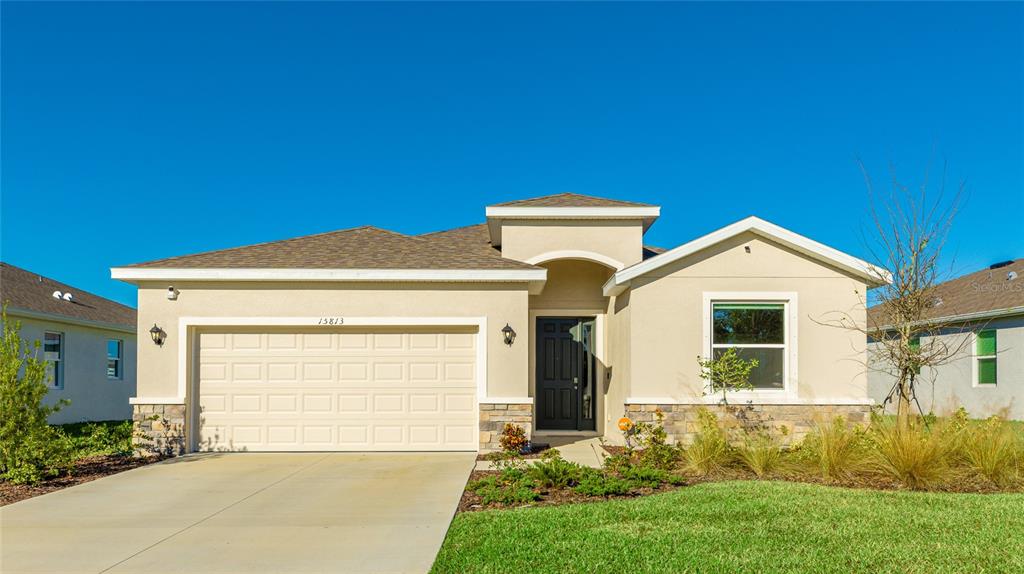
(984,317)
(552,315)
(88,341)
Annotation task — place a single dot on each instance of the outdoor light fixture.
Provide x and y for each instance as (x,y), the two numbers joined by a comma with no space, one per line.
(158,335)
(510,334)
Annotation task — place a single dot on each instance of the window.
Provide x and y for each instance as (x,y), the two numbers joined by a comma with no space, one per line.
(114,349)
(757,331)
(985,358)
(915,345)
(53,354)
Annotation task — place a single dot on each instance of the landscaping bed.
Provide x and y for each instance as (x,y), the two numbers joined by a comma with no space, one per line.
(96,449)
(86,469)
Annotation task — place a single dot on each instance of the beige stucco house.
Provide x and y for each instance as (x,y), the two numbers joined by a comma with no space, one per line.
(88,343)
(552,314)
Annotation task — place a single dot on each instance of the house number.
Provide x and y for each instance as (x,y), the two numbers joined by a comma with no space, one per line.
(331,321)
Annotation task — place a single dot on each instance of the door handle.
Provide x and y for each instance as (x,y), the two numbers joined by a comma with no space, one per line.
(575,382)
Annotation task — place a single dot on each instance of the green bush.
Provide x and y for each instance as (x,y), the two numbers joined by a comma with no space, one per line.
(553,471)
(710,451)
(493,489)
(598,484)
(100,438)
(30,449)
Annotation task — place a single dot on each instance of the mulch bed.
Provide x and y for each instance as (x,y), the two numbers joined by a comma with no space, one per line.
(470,502)
(86,470)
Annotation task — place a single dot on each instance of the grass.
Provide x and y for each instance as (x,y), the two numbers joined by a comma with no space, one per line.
(747,526)
(99,438)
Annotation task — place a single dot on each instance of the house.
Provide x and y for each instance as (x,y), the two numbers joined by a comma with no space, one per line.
(552,315)
(982,318)
(88,341)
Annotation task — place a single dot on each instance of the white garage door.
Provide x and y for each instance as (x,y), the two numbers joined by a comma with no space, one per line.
(382,390)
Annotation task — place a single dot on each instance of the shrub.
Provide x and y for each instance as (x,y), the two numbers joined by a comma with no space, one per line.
(648,443)
(597,484)
(710,450)
(834,449)
(759,452)
(99,438)
(917,457)
(993,450)
(493,489)
(513,438)
(30,449)
(553,471)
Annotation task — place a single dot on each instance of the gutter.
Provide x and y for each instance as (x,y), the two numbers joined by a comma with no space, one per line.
(965,317)
(41,316)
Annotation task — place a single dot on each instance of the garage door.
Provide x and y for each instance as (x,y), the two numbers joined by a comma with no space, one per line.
(344,391)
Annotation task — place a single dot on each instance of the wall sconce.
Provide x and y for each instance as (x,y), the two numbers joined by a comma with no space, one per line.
(509,333)
(158,335)
(172,293)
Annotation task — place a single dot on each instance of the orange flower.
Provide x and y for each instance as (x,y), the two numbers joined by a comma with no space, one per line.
(625,424)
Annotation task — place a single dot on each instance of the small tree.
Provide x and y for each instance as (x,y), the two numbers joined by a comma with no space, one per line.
(728,373)
(909,229)
(30,449)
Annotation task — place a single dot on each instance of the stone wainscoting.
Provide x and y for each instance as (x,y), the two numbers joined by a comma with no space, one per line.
(159,429)
(493,417)
(793,422)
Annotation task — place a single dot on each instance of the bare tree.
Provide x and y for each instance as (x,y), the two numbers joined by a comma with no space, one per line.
(908,231)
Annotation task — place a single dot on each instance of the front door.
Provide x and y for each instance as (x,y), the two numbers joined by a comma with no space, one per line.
(565,373)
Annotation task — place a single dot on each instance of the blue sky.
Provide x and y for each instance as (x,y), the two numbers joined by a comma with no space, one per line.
(134,131)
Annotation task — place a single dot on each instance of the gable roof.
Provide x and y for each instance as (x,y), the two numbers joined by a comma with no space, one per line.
(469,238)
(358,254)
(570,200)
(31,294)
(983,294)
(619,282)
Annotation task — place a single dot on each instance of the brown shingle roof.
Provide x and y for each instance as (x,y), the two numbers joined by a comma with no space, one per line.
(651,251)
(470,238)
(22,289)
(985,290)
(357,248)
(570,200)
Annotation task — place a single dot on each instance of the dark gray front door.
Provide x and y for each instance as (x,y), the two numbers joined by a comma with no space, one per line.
(565,374)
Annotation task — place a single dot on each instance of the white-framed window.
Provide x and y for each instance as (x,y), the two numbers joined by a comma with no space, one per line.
(759,325)
(115,351)
(984,365)
(53,354)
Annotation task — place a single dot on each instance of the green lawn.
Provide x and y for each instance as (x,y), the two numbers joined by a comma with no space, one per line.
(747,526)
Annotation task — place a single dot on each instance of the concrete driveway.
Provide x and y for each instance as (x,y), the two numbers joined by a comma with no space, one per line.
(242,513)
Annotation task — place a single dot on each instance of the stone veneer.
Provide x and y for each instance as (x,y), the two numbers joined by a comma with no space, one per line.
(159,429)
(493,417)
(681,420)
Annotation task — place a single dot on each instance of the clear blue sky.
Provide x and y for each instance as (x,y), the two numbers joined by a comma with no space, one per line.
(133,131)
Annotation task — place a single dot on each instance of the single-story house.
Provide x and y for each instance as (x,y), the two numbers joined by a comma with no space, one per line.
(88,341)
(552,314)
(981,316)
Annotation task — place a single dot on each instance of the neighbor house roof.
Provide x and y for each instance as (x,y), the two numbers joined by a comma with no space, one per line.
(570,200)
(873,276)
(992,292)
(358,254)
(31,294)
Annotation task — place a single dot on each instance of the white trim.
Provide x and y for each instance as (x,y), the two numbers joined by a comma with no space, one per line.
(860,268)
(41,316)
(156,400)
(710,400)
(791,326)
(496,213)
(256,274)
(506,400)
(611,212)
(975,357)
(576,254)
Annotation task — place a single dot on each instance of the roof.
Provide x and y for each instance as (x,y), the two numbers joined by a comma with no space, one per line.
(982,294)
(873,276)
(24,291)
(469,238)
(570,200)
(358,248)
